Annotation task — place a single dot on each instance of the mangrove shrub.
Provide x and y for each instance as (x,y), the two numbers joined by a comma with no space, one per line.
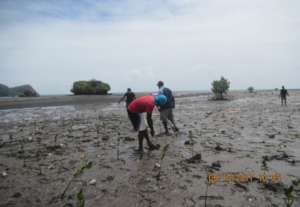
(90,87)
(220,87)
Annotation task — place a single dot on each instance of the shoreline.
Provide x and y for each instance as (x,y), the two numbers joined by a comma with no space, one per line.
(62,100)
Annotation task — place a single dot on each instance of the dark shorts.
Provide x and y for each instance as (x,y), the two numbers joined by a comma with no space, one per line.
(166,114)
(135,119)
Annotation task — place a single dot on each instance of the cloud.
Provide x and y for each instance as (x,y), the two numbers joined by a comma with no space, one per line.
(186,43)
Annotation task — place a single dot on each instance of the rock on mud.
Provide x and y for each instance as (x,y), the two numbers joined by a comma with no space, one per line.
(92,182)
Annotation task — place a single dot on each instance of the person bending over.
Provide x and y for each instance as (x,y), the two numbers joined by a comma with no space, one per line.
(141,107)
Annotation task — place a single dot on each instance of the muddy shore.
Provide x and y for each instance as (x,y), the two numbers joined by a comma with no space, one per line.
(50,153)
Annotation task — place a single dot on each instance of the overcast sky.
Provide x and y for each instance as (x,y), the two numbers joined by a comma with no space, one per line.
(135,43)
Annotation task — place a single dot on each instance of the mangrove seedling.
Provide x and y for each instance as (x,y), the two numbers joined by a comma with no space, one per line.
(118,146)
(98,126)
(164,151)
(289,196)
(80,199)
(191,140)
(77,173)
(55,139)
(162,156)
(264,163)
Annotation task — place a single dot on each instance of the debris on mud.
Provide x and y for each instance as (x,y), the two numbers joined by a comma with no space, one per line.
(189,142)
(128,139)
(215,165)
(195,159)
(219,148)
(92,182)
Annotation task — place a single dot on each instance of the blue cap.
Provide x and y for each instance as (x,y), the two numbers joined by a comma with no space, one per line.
(160,100)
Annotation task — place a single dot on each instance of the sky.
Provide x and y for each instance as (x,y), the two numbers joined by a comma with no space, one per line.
(134,43)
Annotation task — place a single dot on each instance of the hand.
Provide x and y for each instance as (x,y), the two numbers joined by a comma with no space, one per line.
(152,132)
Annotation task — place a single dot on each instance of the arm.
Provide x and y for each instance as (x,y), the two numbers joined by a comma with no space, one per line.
(150,123)
(122,99)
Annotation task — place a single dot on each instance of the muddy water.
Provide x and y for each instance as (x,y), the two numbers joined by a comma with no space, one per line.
(41,148)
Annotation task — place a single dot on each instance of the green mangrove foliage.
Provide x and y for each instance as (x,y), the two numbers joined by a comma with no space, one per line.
(90,87)
(220,87)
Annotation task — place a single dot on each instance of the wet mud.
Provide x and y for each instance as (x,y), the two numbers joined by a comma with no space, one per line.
(74,154)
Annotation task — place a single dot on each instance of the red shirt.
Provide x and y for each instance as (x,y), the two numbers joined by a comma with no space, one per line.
(142,104)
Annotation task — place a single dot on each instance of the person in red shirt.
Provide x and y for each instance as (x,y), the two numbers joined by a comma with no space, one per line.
(139,107)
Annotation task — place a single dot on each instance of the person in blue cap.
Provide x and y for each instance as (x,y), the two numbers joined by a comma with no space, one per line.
(141,106)
(166,111)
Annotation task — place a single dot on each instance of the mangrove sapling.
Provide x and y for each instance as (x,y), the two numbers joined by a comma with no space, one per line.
(206,190)
(77,173)
(289,196)
(22,151)
(98,126)
(264,163)
(55,140)
(80,199)
(159,164)
(191,140)
(118,146)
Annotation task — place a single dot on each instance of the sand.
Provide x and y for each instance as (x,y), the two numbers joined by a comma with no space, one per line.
(42,148)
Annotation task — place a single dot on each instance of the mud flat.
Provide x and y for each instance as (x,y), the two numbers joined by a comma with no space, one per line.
(50,154)
(59,100)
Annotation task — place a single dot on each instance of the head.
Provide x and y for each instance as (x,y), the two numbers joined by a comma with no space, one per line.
(160,100)
(160,84)
(282,87)
(128,89)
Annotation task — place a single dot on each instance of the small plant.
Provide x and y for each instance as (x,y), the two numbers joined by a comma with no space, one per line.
(98,127)
(251,89)
(118,146)
(191,140)
(55,139)
(80,199)
(22,152)
(289,195)
(206,190)
(264,163)
(162,156)
(77,173)
(220,87)
(88,165)
(164,151)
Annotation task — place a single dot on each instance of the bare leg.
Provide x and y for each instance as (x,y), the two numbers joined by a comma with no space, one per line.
(171,118)
(141,138)
(166,127)
(174,125)
(285,101)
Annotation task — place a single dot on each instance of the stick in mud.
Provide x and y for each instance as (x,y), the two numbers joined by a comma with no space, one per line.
(118,146)
(206,191)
